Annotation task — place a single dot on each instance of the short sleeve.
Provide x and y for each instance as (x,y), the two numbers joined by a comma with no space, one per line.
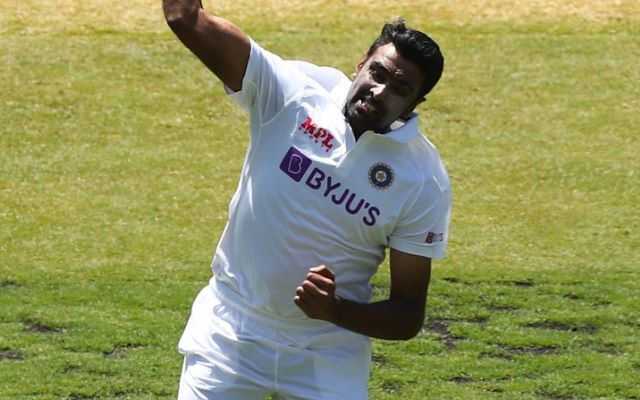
(327,77)
(424,230)
(269,82)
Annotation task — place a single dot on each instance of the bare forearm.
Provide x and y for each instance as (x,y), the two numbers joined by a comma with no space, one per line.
(392,319)
(219,44)
(181,11)
(398,318)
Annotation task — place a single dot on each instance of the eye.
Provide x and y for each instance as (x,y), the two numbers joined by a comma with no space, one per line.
(376,74)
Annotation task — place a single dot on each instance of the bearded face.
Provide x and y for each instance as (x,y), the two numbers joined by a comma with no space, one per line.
(386,87)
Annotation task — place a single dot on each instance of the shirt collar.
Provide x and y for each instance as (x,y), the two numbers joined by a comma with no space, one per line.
(404,131)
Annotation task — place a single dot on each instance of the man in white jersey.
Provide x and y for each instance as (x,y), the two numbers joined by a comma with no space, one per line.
(336,172)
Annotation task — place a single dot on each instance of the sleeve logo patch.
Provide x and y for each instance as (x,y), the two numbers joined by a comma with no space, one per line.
(433,237)
(381,176)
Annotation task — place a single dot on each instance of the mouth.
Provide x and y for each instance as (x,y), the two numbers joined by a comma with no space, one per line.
(364,106)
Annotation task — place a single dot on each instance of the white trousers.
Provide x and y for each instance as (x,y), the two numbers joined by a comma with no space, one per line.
(234,353)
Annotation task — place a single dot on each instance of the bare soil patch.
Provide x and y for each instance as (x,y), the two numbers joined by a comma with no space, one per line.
(10,354)
(9,283)
(559,326)
(38,327)
(537,350)
(440,326)
(119,351)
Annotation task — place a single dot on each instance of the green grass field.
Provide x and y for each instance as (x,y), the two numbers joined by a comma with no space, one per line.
(119,154)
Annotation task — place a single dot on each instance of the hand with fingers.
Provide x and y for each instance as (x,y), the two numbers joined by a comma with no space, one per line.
(316,295)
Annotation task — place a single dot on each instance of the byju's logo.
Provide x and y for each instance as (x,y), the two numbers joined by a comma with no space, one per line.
(295,164)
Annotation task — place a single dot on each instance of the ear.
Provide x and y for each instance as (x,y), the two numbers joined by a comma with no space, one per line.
(359,66)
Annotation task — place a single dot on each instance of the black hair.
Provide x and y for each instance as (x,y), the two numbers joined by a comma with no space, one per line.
(416,47)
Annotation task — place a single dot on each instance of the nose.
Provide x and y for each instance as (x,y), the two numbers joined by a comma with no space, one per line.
(378,91)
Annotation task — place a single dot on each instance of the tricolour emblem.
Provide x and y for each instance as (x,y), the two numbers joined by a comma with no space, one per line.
(381,176)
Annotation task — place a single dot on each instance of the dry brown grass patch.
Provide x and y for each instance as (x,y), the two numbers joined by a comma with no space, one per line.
(54,15)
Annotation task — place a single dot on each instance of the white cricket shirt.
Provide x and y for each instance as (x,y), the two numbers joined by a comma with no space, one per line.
(309,194)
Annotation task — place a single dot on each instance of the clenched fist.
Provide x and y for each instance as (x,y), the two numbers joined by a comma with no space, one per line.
(316,295)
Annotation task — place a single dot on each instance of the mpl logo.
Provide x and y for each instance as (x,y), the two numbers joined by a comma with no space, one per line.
(295,164)
(317,134)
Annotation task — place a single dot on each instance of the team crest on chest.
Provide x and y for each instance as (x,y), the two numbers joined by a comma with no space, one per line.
(381,176)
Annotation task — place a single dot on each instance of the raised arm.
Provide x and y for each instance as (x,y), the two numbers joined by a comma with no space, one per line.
(400,317)
(220,45)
